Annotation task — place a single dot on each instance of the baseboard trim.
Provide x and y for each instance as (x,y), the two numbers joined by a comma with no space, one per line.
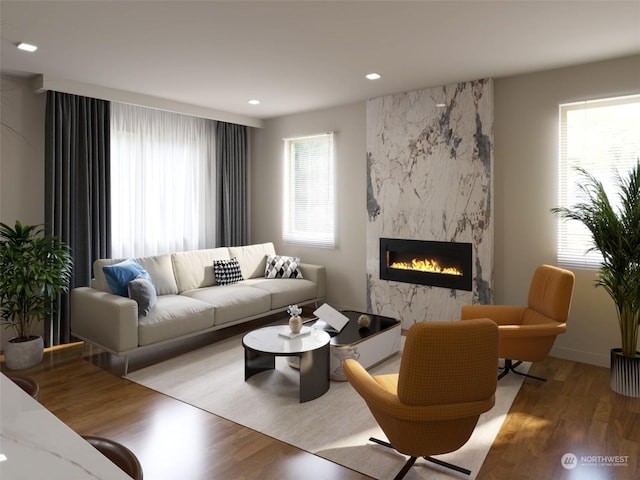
(591,358)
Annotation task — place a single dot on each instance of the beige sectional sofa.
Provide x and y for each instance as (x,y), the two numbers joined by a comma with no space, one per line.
(189,300)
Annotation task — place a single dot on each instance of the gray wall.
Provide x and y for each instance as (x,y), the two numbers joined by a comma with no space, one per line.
(21,157)
(525,156)
(525,132)
(526,151)
(346,285)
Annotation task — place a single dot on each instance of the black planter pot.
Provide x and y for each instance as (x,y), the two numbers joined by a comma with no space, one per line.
(625,373)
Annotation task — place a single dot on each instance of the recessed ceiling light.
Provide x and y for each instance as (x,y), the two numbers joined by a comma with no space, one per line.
(27,47)
(441,105)
(254,102)
(373,76)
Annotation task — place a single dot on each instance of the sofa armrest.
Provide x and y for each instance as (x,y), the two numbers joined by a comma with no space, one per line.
(318,275)
(108,320)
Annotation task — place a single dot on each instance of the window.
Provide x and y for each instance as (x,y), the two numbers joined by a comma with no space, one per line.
(603,137)
(309,198)
(162,178)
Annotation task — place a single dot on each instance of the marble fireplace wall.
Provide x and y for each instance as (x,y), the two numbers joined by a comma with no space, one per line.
(429,167)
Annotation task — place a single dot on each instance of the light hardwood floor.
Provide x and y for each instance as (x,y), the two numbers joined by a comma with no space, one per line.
(573,412)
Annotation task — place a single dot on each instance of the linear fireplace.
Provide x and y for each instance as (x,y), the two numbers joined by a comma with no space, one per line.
(437,264)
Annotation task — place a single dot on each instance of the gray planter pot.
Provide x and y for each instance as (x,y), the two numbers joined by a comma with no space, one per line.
(21,355)
(625,374)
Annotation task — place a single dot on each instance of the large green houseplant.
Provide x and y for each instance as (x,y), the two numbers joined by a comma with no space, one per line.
(615,232)
(34,269)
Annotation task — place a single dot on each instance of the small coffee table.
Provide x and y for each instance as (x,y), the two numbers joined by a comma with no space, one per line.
(261,346)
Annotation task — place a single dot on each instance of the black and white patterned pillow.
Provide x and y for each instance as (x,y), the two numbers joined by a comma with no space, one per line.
(279,266)
(227,271)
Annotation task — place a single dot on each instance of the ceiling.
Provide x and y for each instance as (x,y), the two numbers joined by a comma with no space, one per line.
(304,55)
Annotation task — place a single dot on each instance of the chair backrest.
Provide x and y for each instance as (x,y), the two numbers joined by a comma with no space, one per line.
(550,292)
(449,362)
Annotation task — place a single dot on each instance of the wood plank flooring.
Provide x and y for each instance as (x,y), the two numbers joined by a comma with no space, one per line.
(573,412)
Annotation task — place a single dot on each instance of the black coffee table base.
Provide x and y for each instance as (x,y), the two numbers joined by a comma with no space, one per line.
(314,369)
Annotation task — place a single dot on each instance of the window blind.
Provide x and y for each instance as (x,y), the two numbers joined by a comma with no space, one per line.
(309,191)
(603,137)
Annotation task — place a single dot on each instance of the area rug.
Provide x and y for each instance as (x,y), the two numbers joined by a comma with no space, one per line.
(335,426)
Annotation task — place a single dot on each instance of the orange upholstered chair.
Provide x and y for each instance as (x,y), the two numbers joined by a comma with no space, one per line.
(527,333)
(447,379)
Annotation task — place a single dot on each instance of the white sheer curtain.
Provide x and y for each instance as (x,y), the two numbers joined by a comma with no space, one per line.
(162,182)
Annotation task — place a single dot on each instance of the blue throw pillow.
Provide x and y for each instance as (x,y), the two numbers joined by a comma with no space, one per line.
(120,274)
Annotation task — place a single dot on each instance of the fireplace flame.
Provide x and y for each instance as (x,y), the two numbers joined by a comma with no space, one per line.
(425,265)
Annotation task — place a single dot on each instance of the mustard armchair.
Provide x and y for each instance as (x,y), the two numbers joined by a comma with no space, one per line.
(447,379)
(528,333)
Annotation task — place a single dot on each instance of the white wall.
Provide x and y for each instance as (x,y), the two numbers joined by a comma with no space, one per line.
(346,276)
(21,157)
(526,151)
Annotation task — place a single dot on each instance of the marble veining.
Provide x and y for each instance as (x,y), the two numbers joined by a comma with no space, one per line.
(429,174)
(36,444)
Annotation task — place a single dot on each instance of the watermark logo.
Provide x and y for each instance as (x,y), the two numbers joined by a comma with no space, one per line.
(569,461)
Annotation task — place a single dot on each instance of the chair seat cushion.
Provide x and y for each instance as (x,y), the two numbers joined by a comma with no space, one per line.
(285,291)
(233,302)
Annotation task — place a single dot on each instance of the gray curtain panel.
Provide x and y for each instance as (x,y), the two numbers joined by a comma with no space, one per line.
(232,184)
(77,189)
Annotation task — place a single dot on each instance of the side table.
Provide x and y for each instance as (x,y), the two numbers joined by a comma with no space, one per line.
(370,346)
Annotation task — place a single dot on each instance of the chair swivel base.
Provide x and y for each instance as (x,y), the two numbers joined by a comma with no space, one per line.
(509,366)
(407,466)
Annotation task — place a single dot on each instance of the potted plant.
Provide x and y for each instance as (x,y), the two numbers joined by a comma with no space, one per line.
(616,235)
(34,269)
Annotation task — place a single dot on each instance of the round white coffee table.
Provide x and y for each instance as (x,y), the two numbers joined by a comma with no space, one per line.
(261,346)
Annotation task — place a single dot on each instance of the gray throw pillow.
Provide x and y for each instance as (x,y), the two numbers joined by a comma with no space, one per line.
(144,293)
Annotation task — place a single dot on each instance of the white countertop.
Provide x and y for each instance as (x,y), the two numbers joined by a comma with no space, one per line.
(34,443)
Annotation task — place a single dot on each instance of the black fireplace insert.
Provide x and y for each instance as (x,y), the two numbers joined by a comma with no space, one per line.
(425,262)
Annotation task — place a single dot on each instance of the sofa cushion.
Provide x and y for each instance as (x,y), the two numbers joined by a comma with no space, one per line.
(158,267)
(120,274)
(144,293)
(285,291)
(195,269)
(227,272)
(252,258)
(280,266)
(174,316)
(233,302)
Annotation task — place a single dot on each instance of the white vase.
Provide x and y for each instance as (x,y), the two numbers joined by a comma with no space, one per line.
(25,354)
(295,324)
